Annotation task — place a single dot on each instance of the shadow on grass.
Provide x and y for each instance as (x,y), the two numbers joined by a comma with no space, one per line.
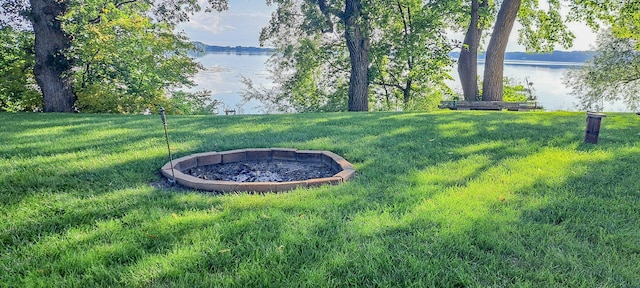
(574,229)
(371,141)
(430,205)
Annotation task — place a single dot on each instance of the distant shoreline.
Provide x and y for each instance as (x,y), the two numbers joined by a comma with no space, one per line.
(555,56)
(554,59)
(481,61)
(546,64)
(202,49)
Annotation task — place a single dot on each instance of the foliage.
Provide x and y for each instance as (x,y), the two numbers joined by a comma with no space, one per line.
(317,76)
(338,28)
(627,24)
(309,69)
(613,74)
(447,199)
(622,16)
(543,29)
(428,98)
(14,14)
(127,64)
(192,103)
(18,90)
(410,56)
(514,92)
(125,56)
(311,87)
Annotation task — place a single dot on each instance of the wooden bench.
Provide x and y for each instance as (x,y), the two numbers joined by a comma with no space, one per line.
(489,105)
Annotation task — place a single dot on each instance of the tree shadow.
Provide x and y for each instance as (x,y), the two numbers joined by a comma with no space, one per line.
(396,218)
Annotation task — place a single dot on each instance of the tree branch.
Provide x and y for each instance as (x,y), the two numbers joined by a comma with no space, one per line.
(117,5)
(327,11)
(388,84)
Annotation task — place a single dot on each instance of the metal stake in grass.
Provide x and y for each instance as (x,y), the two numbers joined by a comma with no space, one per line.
(166,136)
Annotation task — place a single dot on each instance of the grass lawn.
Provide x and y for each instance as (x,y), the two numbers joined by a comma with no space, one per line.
(446,199)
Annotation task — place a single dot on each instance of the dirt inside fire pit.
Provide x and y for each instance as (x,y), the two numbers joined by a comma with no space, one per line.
(262,171)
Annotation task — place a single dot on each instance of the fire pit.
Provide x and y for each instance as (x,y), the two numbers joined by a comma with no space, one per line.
(259,170)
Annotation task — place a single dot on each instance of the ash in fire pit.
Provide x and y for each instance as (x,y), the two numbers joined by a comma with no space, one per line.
(262,171)
(259,170)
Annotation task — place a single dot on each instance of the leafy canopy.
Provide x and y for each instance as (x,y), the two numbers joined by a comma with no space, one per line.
(18,90)
(408,58)
(612,75)
(126,57)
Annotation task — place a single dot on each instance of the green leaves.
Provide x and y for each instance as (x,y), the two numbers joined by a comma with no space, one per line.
(18,91)
(410,60)
(543,30)
(408,53)
(623,16)
(514,92)
(127,62)
(627,25)
(125,55)
(310,66)
(612,75)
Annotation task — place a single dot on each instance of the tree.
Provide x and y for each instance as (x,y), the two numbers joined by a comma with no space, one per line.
(614,72)
(468,59)
(306,35)
(52,68)
(356,30)
(612,75)
(310,75)
(125,63)
(410,58)
(541,31)
(623,16)
(53,42)
(408,53)
(627,25)
(310,66)
(18,90)
(494,63)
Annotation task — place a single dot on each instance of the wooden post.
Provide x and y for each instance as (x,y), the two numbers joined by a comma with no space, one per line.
(593,127)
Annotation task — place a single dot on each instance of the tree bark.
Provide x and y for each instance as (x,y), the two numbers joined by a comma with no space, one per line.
(468,59)
(492,86)
(359,47)
(52,69)
(407,93)
(406,30)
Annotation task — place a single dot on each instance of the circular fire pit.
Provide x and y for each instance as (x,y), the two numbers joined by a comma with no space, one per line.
(182,167)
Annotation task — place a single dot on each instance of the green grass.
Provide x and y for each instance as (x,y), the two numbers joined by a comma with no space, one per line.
(466,199)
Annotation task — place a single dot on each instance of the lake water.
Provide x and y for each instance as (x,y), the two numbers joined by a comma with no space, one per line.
(224,72)
(223,75)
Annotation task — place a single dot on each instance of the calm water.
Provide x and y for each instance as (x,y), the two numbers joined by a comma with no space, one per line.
(223,75)
(224,72)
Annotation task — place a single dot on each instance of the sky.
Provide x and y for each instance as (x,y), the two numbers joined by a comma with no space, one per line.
(241,25)
(238,26)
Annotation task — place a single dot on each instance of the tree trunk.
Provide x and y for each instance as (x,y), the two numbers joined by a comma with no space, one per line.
(359,48)
(406,30)
(52,69)
(407,93)
(468,59)
(492,86)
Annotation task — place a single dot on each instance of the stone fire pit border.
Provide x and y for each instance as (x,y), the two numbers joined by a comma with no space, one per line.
(345,169)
